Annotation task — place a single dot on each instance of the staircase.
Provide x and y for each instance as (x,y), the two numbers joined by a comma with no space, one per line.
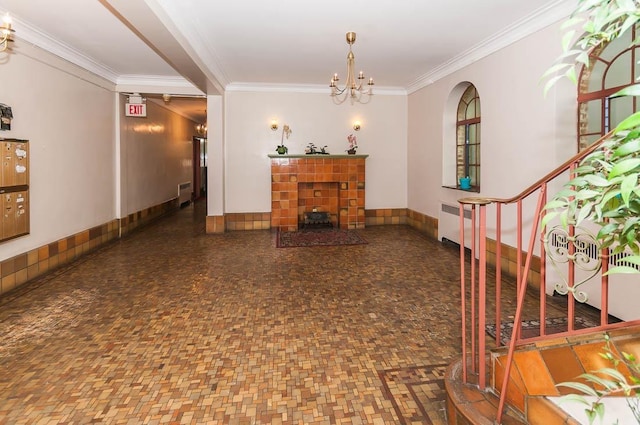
(543,330)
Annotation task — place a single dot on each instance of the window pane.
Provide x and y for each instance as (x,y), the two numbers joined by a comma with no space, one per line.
(460,172)
(460,154)
(472,133)
(462,109)
(636,75)
(595,80)
(619,73)
(586,141)
(594,116)
(616,46)
(621,108)
(473,175)
(461,135)
(471,154)
(471,110)
(473,157)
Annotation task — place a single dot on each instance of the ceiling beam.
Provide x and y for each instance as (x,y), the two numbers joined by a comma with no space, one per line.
(160,34)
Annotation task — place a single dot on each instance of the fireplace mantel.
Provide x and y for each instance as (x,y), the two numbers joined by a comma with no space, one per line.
(297,179)
(304,155)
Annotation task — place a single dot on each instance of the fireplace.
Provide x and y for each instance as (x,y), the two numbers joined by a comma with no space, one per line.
(334,184)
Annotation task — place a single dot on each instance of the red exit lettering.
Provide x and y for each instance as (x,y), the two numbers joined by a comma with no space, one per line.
(136,110)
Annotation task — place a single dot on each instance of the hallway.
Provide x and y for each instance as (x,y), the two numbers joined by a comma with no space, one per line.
(171,325)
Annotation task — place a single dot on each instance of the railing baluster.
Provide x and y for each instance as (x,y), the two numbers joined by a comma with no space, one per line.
(474,356)
(498,271)
(463,296)
(604,305)
(482,301)
(543,293)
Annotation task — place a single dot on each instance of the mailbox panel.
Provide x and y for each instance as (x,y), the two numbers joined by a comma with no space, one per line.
(14,188)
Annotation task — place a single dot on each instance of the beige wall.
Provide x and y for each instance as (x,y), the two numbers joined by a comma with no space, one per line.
(83,173)
(313,117)
(524,135)
(67,116)
(156,156)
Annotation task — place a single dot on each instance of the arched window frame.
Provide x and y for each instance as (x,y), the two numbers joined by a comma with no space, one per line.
(468,138)
(588,130)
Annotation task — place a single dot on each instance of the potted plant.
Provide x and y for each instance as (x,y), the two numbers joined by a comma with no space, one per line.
(281,148)
(353,144)
(605,188)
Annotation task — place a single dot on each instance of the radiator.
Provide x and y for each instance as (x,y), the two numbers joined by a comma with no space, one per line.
(449,224)
(184,193)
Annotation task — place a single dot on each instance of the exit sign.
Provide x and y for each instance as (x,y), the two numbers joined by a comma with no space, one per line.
(135,109)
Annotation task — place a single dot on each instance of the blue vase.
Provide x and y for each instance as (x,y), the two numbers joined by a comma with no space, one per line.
(465,183)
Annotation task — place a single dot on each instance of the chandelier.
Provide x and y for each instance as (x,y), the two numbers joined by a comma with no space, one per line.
(6,33)
(353,88)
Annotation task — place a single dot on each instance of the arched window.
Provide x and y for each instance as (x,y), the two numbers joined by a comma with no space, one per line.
(611,68)
(468,139)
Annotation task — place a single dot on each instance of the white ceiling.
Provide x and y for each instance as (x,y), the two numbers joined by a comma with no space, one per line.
(192,47)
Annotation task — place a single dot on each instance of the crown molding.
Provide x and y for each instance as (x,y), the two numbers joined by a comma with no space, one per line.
(157,84)
(304,88)
(36,37)
(541,18)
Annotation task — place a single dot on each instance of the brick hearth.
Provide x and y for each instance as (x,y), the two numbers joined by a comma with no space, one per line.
(292,195)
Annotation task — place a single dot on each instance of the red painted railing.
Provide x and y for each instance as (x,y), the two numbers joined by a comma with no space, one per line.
(474,283)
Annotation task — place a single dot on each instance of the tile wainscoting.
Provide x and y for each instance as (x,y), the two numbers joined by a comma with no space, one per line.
(21,268)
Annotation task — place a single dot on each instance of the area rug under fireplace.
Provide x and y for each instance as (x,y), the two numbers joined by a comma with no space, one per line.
(318,237)
(531,328)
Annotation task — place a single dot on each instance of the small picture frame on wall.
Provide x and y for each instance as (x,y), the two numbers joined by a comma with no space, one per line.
(6,115)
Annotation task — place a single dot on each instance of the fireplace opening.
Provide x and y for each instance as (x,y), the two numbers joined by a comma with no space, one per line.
(318,204)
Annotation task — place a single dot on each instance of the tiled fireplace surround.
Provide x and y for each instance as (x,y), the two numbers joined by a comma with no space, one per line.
(333,184)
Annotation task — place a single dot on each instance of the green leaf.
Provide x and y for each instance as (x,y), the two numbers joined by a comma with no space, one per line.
(624,166)
(574,398)
(609,228)
(555,203)
(550,83)
(585,194)
(596,180)
(621,270)
(606,383)
(633,90)
(629,122)
(547,218)
(579,386)
(584,212)
(599,409)
(627,186)
(554,69)
(567,39)
(615,374)
(628,148)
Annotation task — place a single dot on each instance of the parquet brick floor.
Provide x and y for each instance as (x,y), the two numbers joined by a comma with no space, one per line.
(173,326)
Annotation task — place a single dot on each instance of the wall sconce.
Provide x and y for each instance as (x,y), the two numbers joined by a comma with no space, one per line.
(201,129)
(6,33)
(274,125)
(356,126)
